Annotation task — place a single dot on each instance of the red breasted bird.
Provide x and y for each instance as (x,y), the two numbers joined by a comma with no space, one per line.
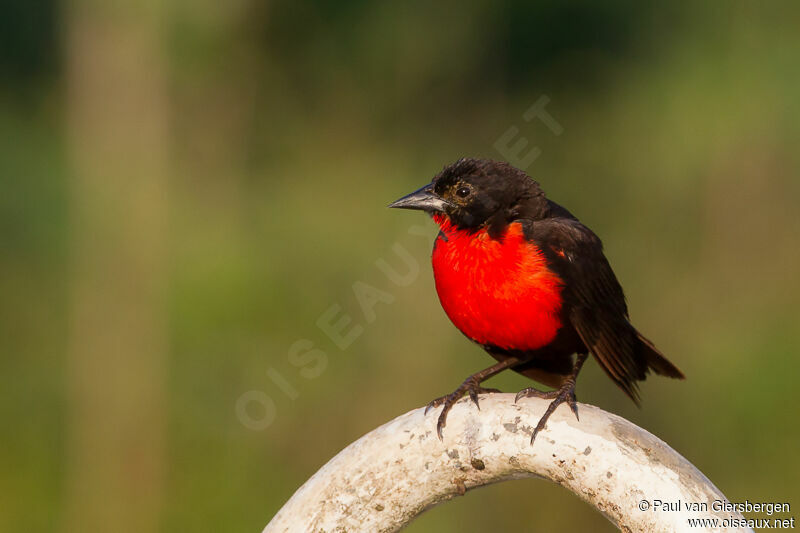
(521,276)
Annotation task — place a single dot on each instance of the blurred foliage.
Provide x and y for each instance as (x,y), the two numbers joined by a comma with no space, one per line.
(293,123)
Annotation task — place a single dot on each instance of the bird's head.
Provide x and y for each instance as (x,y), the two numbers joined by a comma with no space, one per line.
(473,194)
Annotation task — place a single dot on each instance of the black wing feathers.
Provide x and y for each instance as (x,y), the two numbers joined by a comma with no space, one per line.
(595,304)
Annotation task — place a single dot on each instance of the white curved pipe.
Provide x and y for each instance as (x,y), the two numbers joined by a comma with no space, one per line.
(389,476)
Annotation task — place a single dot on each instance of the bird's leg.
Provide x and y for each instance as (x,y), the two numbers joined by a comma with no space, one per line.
(470,386)
(565,393)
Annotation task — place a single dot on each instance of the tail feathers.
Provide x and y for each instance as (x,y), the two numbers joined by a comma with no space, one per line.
(656,360)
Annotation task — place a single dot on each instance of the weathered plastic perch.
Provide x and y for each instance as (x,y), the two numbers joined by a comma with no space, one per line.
(386,478)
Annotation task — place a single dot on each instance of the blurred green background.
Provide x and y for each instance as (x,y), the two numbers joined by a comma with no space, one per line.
(188,186)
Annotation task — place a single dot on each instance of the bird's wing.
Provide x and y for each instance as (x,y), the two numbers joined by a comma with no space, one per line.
(593,298)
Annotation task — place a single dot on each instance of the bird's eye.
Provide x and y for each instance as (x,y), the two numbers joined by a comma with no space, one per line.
(463,192)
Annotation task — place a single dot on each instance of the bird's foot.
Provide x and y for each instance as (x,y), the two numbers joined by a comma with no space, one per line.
(470,386)
(566,394)
(531,392)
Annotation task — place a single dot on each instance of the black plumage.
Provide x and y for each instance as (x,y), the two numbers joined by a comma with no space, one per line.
(484,199)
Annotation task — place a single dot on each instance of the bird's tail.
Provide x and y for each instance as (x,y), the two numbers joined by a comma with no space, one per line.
(656,360)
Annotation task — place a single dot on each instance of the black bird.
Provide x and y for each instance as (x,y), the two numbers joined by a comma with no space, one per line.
(521,276)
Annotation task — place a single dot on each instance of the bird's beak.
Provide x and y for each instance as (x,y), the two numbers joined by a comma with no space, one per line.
(424,199)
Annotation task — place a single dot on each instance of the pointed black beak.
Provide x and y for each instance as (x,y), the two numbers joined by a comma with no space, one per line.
(423,199)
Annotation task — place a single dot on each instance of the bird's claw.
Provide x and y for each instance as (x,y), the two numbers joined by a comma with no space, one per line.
(566,394)
(535,393)
(468,387)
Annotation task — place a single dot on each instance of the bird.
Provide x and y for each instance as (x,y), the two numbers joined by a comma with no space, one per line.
(522,277)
